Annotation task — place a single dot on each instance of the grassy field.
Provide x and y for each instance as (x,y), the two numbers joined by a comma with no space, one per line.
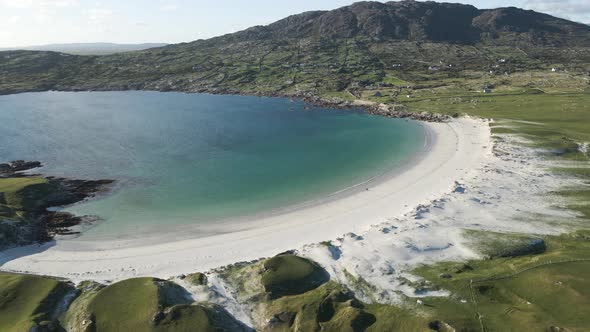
(19,194)
(19,202)
(554,115)
(527,292)
(535,291)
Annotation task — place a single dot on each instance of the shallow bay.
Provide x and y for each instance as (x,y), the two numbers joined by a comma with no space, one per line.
(189,159)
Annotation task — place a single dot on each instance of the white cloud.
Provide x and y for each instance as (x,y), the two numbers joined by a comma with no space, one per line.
(10,21)
(37,4)
(98,16)
(141,24)
(169,7)
(577,10)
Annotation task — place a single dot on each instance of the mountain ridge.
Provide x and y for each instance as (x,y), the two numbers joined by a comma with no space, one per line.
(322,52)
(423,21)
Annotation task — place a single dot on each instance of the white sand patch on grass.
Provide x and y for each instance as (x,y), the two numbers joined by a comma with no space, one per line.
(216,292)
(521,121)
(509,192)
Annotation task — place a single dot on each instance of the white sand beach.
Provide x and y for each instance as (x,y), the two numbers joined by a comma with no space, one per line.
(455,151)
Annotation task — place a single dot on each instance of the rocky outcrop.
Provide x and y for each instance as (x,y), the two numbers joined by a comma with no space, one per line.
(386,110)
(397,111)
(26,218)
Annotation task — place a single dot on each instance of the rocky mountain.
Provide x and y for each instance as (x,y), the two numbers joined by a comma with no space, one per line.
(425,21)
(321,52)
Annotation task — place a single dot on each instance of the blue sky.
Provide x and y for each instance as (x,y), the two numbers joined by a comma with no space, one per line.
(34,22)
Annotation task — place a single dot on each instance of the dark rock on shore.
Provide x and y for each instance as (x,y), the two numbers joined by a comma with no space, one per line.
(17,166)
(390,111)
(395,112)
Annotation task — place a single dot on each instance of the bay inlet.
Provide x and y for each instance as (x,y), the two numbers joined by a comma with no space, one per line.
(185,161)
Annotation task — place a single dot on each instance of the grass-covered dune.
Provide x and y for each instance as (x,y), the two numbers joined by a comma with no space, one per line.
(542,290)
(29,301)
(143,304)
(289,274)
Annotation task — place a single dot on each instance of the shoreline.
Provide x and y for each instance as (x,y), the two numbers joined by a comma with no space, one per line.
(366,106)
(458,147)
(249,221)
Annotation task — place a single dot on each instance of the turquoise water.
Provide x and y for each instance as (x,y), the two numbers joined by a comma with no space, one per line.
(189,159)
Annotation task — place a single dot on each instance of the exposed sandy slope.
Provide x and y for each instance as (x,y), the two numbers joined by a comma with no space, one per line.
(508,192)
(456,151)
